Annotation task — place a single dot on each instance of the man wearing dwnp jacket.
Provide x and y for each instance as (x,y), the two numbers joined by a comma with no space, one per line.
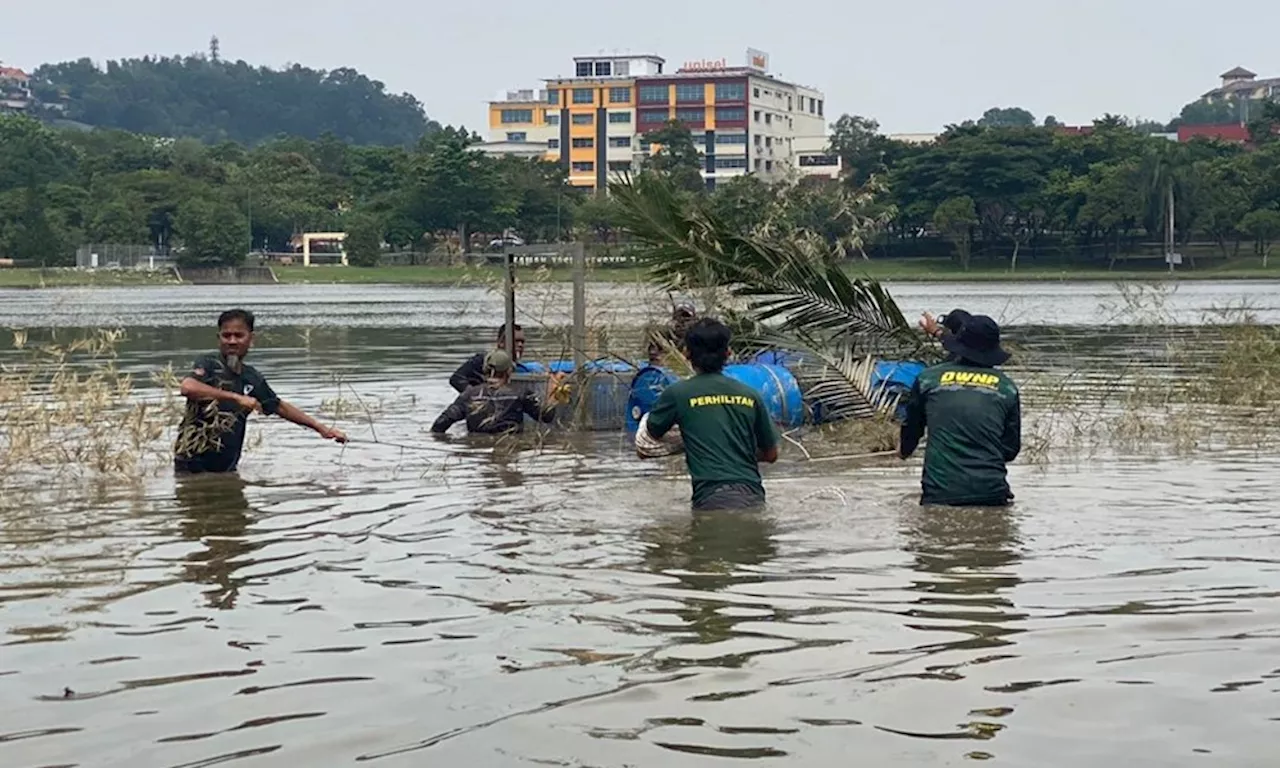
(973,414)
(726,429)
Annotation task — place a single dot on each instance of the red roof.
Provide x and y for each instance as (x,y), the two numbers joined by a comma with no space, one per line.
(13,73)
(1224,132)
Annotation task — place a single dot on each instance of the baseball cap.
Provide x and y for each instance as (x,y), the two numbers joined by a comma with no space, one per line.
(498,362)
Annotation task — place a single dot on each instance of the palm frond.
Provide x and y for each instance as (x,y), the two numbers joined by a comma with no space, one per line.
(835,376)
(683,243)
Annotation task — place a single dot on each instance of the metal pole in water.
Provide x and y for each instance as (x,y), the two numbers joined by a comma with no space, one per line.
(579,307)
(510,328)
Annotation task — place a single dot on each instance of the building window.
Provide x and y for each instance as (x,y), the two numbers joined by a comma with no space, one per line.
(789,107)
(621,68)
(757,115)
(690,93)
(768,166)
(553,143)
(584,143)
(700,139)
(691,115)
(768,118)
(517,136)
(819,108)
(759,163)
(552,119)
(653,116)
(583,69)
(812,161)
(517,115)
(731,162)
(619,117)
(603,69)
(619,165)
(583,167)
(584,119)
(654,94)
(620,141)
(755,93)
(730,92)
(619,95)
(730,114)
(768,141)
(731,138)
(584,96)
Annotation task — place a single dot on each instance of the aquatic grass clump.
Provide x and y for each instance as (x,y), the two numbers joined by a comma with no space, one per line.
(68,413)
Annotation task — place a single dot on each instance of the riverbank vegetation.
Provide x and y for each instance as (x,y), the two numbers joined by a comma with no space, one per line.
(981,199)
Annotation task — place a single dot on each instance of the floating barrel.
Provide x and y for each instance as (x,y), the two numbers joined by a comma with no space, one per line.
(645,389)
(777,387)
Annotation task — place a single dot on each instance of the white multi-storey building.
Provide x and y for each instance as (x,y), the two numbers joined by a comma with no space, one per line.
(743,119)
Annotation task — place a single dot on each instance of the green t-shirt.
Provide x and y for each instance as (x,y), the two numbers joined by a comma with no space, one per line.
(724,425)
(974,419)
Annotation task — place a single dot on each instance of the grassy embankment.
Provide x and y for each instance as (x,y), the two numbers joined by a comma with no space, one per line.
(896,270)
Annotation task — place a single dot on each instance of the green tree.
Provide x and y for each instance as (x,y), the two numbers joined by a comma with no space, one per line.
(213,233)
(217,100)
(676,157)
(450,186)
(1264,227)
(364,239)
(955,219)
(1007,117)
(31,154)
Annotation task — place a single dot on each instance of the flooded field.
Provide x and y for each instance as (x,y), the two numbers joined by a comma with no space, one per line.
(405,601)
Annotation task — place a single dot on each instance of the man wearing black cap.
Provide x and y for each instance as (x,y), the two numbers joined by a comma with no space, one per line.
(973,414)
(950,323)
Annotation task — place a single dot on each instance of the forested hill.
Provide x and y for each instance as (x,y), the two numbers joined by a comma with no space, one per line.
(215,100)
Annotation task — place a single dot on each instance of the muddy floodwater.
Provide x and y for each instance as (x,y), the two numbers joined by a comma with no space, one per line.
(406,601)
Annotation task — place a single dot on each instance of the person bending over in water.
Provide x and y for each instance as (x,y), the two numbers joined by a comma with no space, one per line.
(471,373)
(496,406)
(726,429)
(221,391)
(973,414)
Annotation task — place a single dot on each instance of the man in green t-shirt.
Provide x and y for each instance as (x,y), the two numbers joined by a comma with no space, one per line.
(973,414)
(725,427)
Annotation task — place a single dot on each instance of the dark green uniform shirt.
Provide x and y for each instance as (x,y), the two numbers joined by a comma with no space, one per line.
(974,419)
(212,433)
(724,426)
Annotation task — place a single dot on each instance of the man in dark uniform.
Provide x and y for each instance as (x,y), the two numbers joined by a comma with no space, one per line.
(725,427)
(494,406)
(471,373)
(973,414)
(221,392)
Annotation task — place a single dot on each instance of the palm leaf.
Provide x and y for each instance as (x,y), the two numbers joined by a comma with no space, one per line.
(683,243)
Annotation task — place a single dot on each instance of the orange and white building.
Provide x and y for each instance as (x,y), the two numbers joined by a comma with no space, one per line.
(595,122)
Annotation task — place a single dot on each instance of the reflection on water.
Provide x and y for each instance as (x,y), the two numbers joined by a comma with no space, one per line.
(408,601)
(216,516)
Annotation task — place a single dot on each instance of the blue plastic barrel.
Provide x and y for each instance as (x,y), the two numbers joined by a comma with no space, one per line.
(645,389)
(778,388)
(608,365)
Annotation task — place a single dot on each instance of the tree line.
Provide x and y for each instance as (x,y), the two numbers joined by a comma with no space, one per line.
(1010,192)
(1001,194)
(205,97)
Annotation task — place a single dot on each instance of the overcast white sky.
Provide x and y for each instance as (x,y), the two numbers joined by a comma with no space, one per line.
(913,65)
